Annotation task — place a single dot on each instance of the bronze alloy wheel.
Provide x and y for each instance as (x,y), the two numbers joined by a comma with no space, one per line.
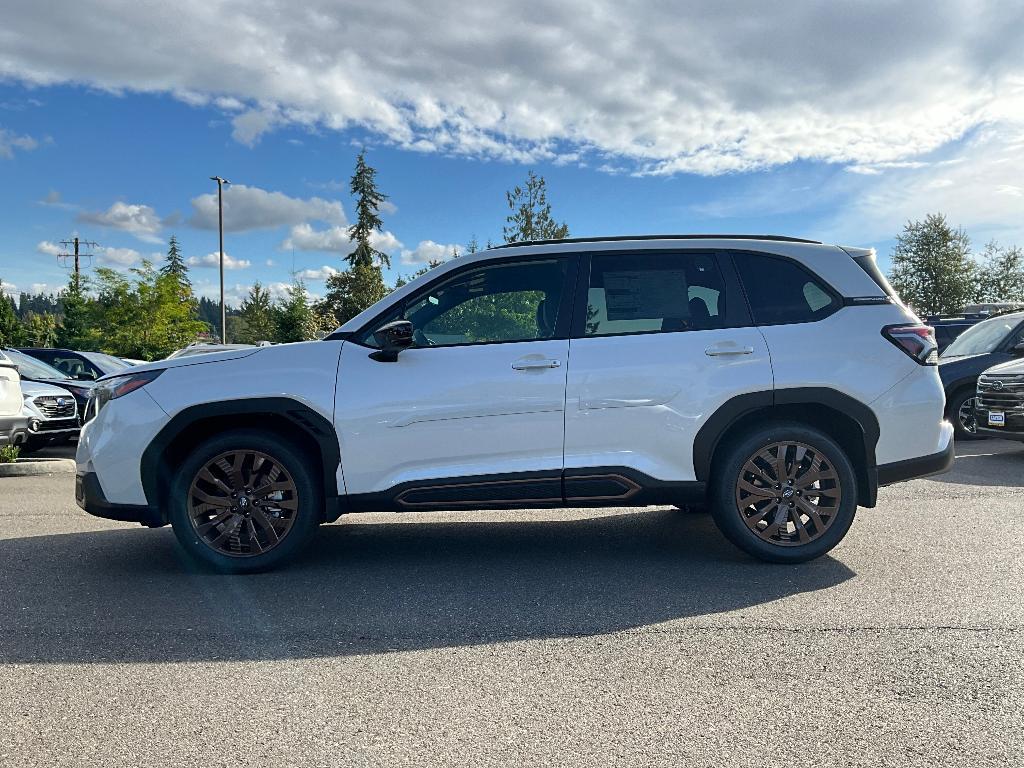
(788,493)
(242,503)
(966,416)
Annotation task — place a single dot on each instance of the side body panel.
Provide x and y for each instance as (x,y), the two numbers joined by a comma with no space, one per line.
(447,412)
(639,401)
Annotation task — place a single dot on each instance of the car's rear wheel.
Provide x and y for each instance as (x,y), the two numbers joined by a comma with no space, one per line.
(785,493)
(961,413)
(244,501)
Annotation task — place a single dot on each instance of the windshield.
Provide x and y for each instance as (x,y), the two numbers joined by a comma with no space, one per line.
(30,368)
(982,338)
(106,363)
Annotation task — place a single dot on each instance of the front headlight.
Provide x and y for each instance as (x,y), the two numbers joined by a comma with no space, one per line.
(117,386)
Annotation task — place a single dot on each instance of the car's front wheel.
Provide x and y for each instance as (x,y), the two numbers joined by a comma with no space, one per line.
(785,493)
(961,413)
(244,501)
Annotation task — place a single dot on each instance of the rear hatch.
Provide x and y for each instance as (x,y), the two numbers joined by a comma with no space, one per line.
(10,388)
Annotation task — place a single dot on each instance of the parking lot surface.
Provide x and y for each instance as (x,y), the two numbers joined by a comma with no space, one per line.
(554,637)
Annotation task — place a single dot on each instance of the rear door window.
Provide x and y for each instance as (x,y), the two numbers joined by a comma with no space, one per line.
(781,291)
(654,293)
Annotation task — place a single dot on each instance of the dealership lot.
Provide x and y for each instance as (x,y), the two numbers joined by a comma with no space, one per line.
(583,637)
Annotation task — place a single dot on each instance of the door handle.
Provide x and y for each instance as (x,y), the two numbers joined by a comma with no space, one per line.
(724,351)
(532,365)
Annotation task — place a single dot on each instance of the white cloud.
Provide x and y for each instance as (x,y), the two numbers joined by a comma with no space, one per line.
(658,88)
(49,248)
(974,192)
(213,260)
(141,220)
(10,289)
(10,141)
(248,208)
(53,199)
(428,251)
(117,257)
(322,273)
(304,237)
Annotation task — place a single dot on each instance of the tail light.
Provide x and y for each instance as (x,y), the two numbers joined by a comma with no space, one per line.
(918,341)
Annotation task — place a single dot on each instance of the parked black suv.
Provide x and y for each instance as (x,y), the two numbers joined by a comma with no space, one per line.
(999,407)
(990,342)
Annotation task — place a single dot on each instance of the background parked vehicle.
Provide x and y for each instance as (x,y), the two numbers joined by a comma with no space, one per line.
(947,329)
(999,407)
(83,366)
(990,342)
(35,370)
(52,414)
(205,349)
(13,422)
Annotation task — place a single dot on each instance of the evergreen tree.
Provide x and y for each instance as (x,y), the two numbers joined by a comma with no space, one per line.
(530,213)
(1001,277)
(368,199)
(932,268)
(40,330)
(472,246)
(257,317)
(10,328)
(174,266)
(74,329)
(294,316)
(352,291)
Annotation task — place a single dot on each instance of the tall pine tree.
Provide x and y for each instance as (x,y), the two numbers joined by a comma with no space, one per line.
(10,328)
(257,314)
(74,329)
(174,266)
(368,200)
(529,215)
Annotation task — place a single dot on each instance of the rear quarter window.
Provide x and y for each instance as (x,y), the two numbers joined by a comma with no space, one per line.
(780,291)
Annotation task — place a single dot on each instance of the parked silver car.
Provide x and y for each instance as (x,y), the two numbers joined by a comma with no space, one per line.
(13,422)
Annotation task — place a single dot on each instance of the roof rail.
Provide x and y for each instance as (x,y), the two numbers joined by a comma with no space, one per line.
(620,238)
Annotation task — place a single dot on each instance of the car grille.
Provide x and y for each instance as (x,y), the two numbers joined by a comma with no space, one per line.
(1002,392)
(56,407)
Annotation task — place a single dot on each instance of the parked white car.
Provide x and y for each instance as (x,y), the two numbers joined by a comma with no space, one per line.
(52,414)
(780,380)
(13,423)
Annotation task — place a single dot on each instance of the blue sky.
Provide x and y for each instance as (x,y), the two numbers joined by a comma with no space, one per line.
(115,141)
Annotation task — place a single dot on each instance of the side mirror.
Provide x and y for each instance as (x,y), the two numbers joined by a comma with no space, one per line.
(392,338)
(85,376)
(1018,349)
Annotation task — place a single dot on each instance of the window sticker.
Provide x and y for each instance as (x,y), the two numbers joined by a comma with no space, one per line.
(646,294)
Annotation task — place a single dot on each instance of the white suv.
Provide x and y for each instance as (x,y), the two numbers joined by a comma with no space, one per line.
(779,379)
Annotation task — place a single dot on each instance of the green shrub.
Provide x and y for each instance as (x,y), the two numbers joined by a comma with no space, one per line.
(9,454)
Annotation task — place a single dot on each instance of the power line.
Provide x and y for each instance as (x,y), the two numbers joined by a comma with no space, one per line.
(65,257)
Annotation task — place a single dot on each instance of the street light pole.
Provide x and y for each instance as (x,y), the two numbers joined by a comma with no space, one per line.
(220,226)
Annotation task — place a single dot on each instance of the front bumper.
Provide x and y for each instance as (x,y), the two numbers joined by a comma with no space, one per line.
(922,466)
(1014,429)
(89,496)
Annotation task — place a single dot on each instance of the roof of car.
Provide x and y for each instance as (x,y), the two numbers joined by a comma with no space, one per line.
(625,238)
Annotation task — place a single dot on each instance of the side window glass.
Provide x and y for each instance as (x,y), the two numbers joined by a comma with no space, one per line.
(780,291)
(654,292)
(494,303)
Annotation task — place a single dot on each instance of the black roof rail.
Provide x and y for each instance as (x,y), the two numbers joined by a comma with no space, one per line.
(621,238)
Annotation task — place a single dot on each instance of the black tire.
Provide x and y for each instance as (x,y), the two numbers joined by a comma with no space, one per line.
(308,500)
(732,459)
(961,431)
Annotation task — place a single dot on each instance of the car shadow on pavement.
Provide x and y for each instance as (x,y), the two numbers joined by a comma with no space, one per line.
(129,595)
(986,462)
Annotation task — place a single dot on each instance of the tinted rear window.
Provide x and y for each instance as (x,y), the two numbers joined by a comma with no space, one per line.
(781,291)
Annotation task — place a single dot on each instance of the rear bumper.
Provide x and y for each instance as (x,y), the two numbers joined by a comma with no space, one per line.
(89,496)
(13,430)
(922,466)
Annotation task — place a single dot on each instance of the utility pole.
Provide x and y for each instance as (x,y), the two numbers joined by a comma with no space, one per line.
(220,226)
(76,255)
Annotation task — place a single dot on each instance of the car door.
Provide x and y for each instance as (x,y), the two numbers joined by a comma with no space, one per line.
(473,413)
(661,340)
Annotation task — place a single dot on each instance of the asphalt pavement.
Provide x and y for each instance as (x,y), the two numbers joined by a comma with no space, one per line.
(551,637)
